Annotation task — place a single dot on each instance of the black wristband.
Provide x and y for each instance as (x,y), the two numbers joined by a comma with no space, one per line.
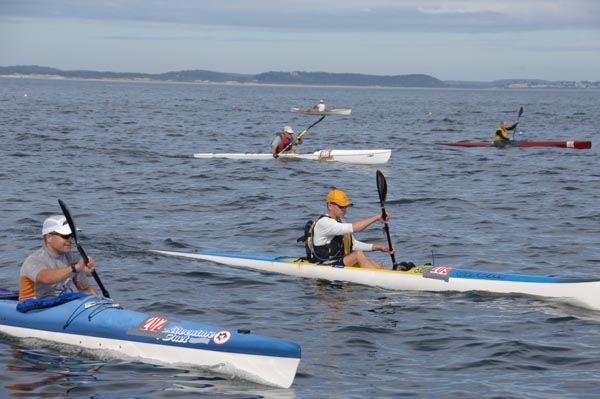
(73,269)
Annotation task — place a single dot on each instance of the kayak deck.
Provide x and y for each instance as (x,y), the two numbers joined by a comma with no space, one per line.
(581,292)
(364,157)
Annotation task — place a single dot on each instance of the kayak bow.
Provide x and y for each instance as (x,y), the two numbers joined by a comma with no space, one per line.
(581,292)
(97,323)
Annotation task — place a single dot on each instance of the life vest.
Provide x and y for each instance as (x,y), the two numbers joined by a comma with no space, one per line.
(338,248)
(501,135)
(284,143)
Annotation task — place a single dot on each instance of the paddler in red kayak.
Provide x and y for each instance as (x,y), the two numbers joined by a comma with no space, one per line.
(501,134)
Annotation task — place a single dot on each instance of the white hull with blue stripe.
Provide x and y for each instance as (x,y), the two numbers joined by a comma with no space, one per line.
(96,323)
(577,291)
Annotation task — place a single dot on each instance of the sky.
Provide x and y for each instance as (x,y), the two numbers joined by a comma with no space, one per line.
(475,40)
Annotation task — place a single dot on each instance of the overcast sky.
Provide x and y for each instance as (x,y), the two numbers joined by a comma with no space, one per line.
(449,39)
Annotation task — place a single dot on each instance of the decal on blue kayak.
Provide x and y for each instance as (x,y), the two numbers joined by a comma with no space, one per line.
(153,324)
(183,335)
(221,337)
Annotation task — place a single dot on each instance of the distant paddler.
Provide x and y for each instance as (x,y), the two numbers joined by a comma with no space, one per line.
(320,106)
(501,134)
(284,142)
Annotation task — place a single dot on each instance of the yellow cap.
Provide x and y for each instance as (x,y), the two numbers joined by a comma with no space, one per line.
(338,197)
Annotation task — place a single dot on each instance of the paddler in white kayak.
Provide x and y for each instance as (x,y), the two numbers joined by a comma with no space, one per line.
(285,141)
(320,106)
(53,270)
(329,240)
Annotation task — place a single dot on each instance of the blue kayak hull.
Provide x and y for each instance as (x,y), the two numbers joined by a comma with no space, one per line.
(99,323)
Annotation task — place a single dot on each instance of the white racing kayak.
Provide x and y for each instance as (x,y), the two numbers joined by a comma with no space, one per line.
(365,157)
(311,111)
(576,291)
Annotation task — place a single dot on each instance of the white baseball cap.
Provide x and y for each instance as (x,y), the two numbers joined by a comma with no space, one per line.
(288,129)
(56,223)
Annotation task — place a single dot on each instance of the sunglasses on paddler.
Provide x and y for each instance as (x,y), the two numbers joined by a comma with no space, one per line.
(63,236)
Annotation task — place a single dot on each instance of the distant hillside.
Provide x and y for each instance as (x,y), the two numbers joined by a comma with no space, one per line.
(523,84)
(299,78)
(349,79)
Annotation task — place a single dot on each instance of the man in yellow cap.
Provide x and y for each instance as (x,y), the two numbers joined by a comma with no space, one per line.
(333,240)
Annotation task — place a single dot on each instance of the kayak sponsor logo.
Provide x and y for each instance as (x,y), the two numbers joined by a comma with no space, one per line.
(153,324)
(439,273)
(187,336)
(221,337)
(325,154)
(480,275)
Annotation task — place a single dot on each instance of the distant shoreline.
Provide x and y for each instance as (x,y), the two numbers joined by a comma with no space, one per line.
(513,86)
(231,83)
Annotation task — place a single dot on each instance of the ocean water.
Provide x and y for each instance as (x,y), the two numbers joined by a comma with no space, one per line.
(119,154)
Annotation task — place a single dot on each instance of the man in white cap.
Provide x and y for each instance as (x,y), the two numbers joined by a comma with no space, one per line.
(333,239)
(283,140)
(53,270)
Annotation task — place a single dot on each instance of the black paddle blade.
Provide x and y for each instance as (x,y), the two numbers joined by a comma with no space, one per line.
(520,112)
(67,214)
(71,224)
(381,187)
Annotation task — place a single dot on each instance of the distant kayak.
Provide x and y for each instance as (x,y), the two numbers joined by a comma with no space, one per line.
(364,157)
(311,111)
(579,145)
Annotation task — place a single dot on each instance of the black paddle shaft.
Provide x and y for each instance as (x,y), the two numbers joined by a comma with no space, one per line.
(517,122)
(71,224)
(382,191)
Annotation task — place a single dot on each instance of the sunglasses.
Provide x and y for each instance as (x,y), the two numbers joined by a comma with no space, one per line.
(341,207)
(63,236)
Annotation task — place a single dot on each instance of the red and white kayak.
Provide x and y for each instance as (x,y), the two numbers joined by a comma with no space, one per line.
(579,145)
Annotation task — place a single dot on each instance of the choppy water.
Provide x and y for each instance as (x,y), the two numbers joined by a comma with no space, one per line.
(119,155)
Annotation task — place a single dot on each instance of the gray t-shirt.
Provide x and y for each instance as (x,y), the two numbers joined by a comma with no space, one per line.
(43,259)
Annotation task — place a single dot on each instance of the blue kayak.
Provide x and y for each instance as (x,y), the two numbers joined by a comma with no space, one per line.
(98,323)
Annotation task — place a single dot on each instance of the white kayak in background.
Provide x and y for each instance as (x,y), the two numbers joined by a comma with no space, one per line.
(365,157)
(312,111)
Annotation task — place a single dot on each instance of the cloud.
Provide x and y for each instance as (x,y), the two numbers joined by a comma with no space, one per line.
(331,15)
